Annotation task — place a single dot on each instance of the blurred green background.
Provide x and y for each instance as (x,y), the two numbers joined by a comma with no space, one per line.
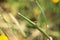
(44,13)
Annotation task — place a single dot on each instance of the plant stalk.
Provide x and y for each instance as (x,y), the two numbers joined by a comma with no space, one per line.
(40,29)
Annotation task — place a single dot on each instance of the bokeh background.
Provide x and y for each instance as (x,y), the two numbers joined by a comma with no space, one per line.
(44,13)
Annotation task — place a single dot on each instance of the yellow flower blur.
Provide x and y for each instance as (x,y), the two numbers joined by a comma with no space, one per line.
(55,1)
(3,37)
(36,11)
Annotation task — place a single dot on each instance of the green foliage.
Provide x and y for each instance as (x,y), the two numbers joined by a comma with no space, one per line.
(49,14)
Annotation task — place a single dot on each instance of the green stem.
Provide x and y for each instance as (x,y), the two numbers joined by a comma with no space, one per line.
(40,29)
(27,19)
(42,11)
